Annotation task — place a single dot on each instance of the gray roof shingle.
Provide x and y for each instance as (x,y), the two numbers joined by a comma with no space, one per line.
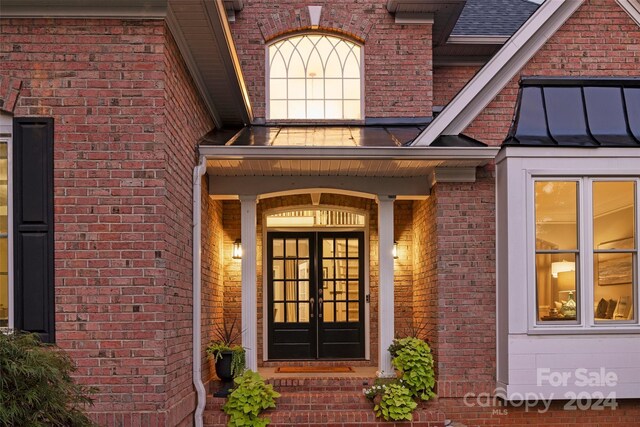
(493,17)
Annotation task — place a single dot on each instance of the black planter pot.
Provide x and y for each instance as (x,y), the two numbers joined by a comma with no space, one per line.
(223,371)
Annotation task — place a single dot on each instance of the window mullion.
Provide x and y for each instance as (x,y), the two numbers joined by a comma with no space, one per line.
(636,278)
(586,264)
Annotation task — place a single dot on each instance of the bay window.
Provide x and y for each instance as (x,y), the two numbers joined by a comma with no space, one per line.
(585,251)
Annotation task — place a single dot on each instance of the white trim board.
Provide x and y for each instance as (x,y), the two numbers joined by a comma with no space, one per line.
(632,7)
(494,76)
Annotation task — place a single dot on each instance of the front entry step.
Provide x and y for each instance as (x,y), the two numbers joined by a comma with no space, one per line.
(333,402)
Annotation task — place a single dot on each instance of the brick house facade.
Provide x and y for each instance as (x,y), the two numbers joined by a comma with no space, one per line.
(134,98)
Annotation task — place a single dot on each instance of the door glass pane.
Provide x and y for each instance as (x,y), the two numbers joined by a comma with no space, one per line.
(303,269)
(290,270)
(291,291)
(354,312)
(278,269)
(341,312)
(327,312)
(341,248)
(291,248)
(341,269)
(278,312)
(291,312)
(354,290)
(303,248)
(329,293)
(353,248)
(354,266)
(613,287)
(278,291)
(556,287)
(341,290)
(303,291)
(327,248)
(303,312)
(4,254)
(278,248)
(556,215)
(327,268)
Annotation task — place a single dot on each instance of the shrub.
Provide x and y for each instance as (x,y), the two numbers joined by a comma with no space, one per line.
(413,358)
(248,399)
(396,403)
(36,388)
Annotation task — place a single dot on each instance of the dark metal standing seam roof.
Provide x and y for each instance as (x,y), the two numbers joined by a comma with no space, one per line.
(577,112)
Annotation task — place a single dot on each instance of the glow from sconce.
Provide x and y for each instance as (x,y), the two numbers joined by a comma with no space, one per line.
(562,267)
(395,250)
(237,250)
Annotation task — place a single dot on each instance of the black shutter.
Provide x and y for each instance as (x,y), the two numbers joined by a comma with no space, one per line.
(33,226)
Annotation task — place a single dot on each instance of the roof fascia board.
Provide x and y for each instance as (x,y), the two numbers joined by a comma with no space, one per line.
(482,154)
(632,7)
(495,75)
(488,39)
(220,26)
(176,31)
(133,9)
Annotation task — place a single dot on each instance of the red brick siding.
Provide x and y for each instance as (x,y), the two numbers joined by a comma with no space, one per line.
(397,58)
(212,273)
(466,286)
(186,121)
(600,39)
(447,82)
(123,239)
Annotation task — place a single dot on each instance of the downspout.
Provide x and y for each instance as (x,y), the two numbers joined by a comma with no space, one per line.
(198,173)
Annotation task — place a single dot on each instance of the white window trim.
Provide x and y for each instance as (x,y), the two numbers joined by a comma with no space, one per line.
(586,323)
(267,85)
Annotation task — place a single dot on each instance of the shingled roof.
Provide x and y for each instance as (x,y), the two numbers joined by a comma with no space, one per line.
(493,17)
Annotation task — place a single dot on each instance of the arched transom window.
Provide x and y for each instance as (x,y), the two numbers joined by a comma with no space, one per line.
(315,77)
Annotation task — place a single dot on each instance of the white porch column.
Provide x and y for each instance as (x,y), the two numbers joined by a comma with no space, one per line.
(385,287)
(248,232)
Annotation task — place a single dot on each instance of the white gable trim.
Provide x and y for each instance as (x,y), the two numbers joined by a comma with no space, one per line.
(632,7)
(494,76)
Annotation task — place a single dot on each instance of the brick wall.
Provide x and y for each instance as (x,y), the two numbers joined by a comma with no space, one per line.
(465,215)
(397,58)
(126,119)
(447,82)
(213,289)
(599,40)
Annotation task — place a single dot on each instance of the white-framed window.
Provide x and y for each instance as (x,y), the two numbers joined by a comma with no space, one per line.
(314,77)
(586,251)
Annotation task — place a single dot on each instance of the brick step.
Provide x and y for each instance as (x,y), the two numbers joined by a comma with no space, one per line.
(320,384)
(323,401)
(332,418)
(354,363)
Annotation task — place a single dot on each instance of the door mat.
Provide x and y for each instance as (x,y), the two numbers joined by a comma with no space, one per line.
(313,369)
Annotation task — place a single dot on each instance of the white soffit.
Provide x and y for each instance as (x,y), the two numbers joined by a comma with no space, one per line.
(494,76)
(632,7)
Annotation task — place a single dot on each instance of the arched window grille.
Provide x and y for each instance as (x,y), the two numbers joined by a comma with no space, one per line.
(315,76)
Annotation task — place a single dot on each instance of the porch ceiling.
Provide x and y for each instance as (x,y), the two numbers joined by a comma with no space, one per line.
(407,172)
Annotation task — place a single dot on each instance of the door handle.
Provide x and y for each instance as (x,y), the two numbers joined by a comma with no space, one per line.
(311,306)
(320,302)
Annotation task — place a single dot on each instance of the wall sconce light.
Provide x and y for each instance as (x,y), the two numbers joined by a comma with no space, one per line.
(562,267)
(237,249)
(395,250)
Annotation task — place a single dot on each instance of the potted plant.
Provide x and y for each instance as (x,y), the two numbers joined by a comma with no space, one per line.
(229,357)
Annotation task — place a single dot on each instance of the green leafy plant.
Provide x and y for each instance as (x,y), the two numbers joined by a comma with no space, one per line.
(225,337)
(412,357)
(248,399)
(396,403)
(36,388)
